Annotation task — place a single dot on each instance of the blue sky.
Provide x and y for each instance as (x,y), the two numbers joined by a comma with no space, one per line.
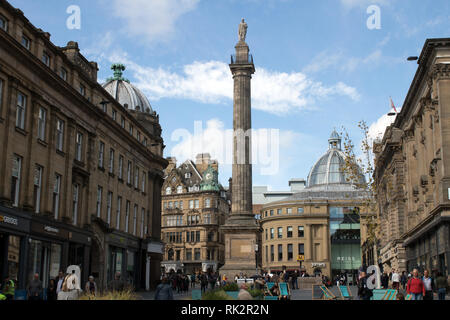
(318,66)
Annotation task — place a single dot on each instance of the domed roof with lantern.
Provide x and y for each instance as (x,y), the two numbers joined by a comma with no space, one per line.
(125,93)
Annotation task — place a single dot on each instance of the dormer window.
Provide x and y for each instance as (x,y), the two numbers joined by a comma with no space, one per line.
(168,190)
(26,42)
(188,175)
(3,23)
(179,189)
(46,59)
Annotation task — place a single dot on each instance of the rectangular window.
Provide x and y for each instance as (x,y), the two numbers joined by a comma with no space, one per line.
(15,180)
(129,172)
(108,207)
(272,232)
(301,249)
(136,178)
(280,233)
(279,211)
(290,252)
(3,23)
(120,167)
(207,203)
(289,232)
(1,94)
(82,90)
(79,147)
(42,123)
(46,59)
(301,231)
(271,213)
(37,188)
(299,210)
(63,74)
(267,254)
(56,193)
(189,254)
(26,42)
(111,161)
(191,204)
(76,190)
(119,208)
(131,129)
(135,219)
(20,111)
(101,155)
(272,253)
(197,204)
(197,254)
(114,114)
(280,252)
(197,236)
(59,135)
(144,178)
(138,136)
(122,122)
(142,222)
(144,142)
(289,210)
(127,215)
(181,205)
(207,219)
(267,232)
(99,201)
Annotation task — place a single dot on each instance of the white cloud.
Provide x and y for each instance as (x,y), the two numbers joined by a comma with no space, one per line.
(377,128)
(211,82)
(154,20)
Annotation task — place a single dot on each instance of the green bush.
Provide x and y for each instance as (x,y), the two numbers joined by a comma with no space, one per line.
(256,293)
(217,294)
(231,286)
(115,295)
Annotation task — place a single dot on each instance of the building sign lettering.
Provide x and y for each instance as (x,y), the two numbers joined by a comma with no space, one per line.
(9,220)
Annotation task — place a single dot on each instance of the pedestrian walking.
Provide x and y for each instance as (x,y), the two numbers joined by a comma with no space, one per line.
(415,286)
(395,280)
(441,285)
(404,280)
(429,285)
(34,288)
(203,282)
(294,280)
(117,284)
(59,282)
(384,280)
(364,292)
(164,290)
(91,286)
(51,291)
(193,280)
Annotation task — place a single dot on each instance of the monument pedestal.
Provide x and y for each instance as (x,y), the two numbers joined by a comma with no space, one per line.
(241,238)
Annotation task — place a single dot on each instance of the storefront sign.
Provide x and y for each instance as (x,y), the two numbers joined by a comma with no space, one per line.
(9,220)
(318,265)
(51,229)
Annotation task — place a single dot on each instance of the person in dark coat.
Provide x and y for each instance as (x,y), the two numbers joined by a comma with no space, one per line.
(384,280)
(164,290)
(51,291)
(364,292)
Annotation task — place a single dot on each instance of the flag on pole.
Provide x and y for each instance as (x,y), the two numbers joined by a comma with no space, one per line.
(392,105)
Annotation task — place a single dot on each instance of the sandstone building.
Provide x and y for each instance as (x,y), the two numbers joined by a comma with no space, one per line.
(194,206)
(81,166)
(320,222)
(412,170)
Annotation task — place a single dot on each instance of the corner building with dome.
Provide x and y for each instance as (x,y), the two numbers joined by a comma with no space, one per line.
(319,224)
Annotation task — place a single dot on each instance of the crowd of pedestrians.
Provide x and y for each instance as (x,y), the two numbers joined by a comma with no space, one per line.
(417,286)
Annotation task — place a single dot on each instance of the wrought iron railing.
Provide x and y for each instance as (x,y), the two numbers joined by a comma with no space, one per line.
(234,59)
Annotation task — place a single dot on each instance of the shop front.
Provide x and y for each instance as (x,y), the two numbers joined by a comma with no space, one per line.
(14,230)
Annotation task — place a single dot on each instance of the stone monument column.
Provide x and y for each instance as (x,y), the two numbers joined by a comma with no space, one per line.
(241,228)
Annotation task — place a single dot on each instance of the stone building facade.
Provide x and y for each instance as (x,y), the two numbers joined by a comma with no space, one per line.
(412,170)
(195,205)
(81,174)
(319,223)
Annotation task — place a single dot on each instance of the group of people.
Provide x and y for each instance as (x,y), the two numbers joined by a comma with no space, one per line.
(419,287)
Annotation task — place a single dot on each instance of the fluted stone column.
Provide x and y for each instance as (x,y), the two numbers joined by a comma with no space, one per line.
(241,228)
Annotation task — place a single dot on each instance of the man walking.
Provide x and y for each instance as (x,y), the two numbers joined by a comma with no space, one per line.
(395,280)
(59,282)
(116,284)
(364,292)
(294,280)
(384,280)
(415,286)
(429,285)
(403,280)
(34,289)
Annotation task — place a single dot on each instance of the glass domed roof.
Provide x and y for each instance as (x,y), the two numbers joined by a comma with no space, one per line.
(328,169)
(127,94)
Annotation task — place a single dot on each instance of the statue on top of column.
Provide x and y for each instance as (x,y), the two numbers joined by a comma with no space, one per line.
(242,30)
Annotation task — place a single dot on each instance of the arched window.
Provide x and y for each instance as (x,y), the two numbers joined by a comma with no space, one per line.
(168,190)
(179,189)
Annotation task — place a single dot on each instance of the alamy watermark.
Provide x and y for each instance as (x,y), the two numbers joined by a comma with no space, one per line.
(263,146)
(374,20)
(74,19)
